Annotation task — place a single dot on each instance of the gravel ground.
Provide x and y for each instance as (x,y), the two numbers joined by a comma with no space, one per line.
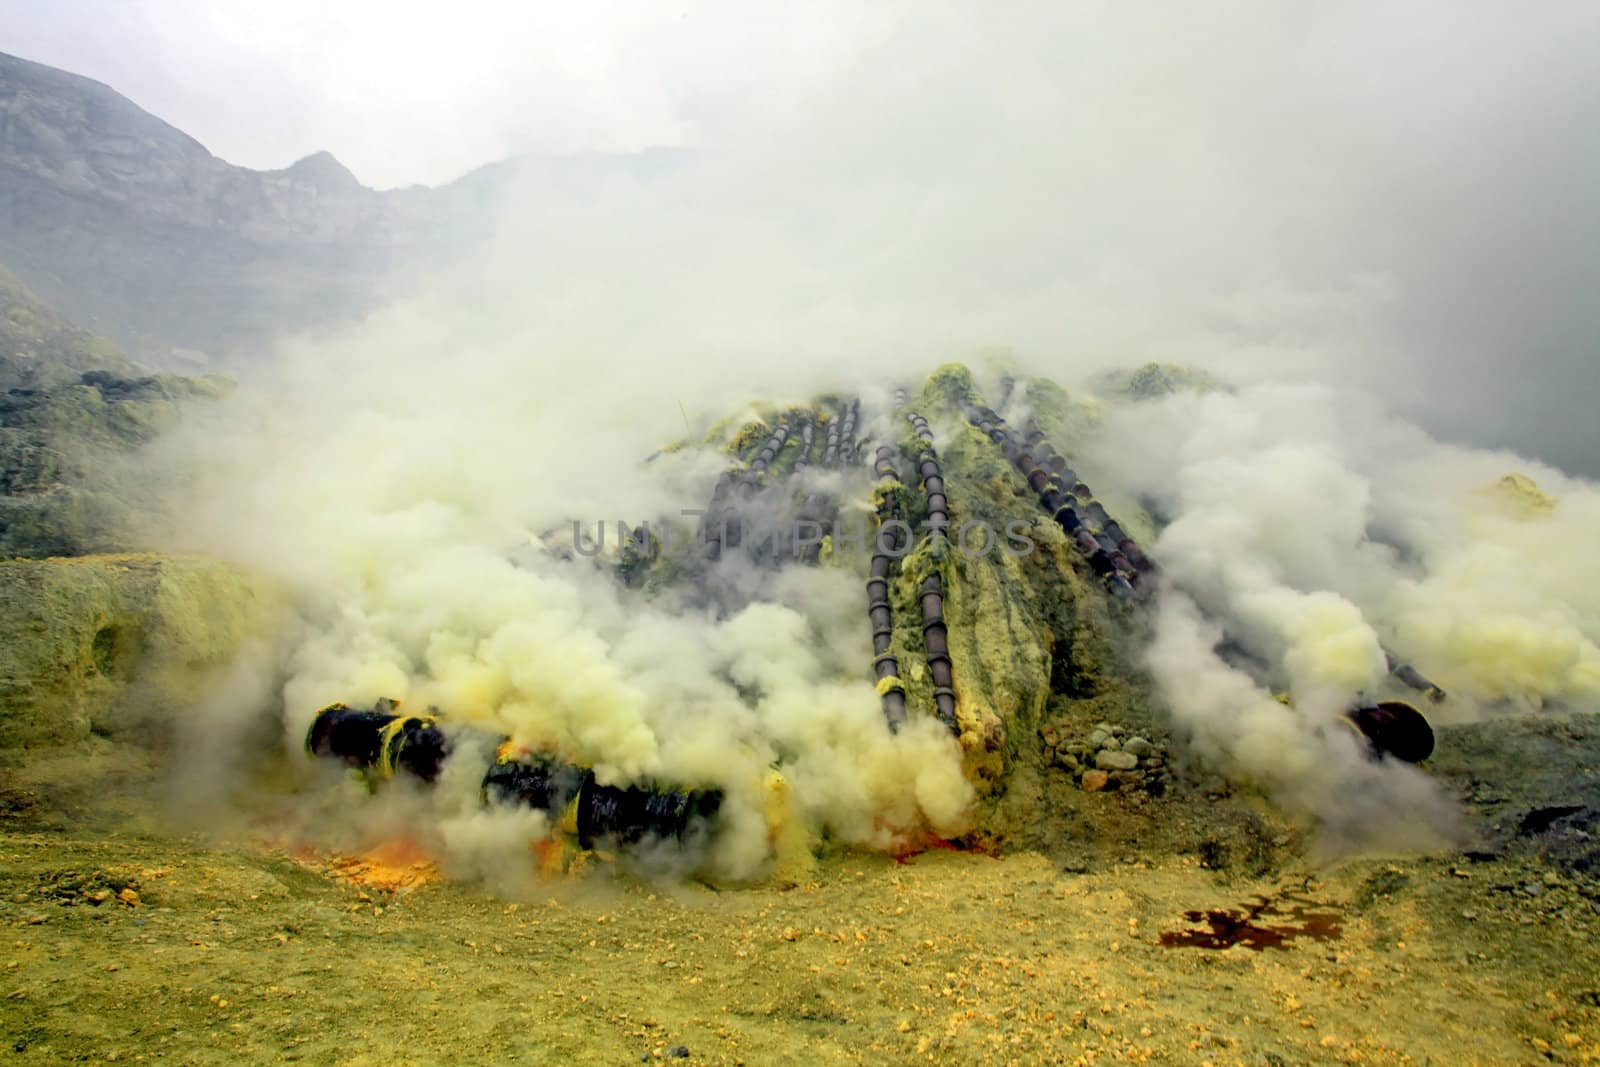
(129,941)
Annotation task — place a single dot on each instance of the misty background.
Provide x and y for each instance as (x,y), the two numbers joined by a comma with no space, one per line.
(1395,197)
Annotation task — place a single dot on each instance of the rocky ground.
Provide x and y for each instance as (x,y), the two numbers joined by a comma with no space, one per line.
(132,940)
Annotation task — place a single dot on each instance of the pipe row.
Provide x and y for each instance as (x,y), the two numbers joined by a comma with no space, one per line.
(820,506)
(935,634)
(840,447)
(750,480)
(808,429)
(1047,472)
(381,742)
(1392,728)
(830,447)
(885,668)
(1112,554)
(721,514)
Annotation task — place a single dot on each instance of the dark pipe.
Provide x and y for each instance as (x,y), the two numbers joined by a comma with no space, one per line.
(1394,728)
(1414,678)
(382,742)
(847,435)
(935,633)
(884,664)
(628,815)
(533,782)
(894,708)
(1121,586)
(379,740)
(1111,554)
(353,736)
(1136,555)
(807,435)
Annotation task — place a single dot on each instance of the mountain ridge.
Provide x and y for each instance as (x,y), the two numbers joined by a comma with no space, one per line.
(136,231)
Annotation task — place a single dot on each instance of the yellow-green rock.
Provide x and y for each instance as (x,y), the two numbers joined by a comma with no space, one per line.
(112,645)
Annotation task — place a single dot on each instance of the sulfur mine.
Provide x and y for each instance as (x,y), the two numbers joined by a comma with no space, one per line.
(938,533)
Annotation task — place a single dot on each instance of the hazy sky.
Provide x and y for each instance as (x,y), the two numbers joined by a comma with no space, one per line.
(1404,190)
(406,93)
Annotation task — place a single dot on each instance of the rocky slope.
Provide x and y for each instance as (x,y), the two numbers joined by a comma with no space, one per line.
(132,228)
(117,645)
(39,348)
(104,644)
(72,405)
(135,230)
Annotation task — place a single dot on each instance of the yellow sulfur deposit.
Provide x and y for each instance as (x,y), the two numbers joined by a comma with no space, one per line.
(111,644)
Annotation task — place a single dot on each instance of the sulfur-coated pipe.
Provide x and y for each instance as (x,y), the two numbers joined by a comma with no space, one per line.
(885,667)
(935,633)
(1116,559)
(383,742)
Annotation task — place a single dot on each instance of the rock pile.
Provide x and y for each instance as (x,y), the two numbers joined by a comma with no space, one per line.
(1109,757)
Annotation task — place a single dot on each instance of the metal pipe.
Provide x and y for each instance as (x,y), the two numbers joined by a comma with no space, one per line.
(1412,677)
(379,740)
(382,742)
(1110,553)
(885,666)
(935,633)
(1394,728)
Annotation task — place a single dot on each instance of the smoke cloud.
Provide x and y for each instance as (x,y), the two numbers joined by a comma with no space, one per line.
(1320,205)
(1308,531)
(416,511)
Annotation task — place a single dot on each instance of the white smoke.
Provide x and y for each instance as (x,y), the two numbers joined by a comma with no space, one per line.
(1045,176)
(402,503)
(1310,530)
